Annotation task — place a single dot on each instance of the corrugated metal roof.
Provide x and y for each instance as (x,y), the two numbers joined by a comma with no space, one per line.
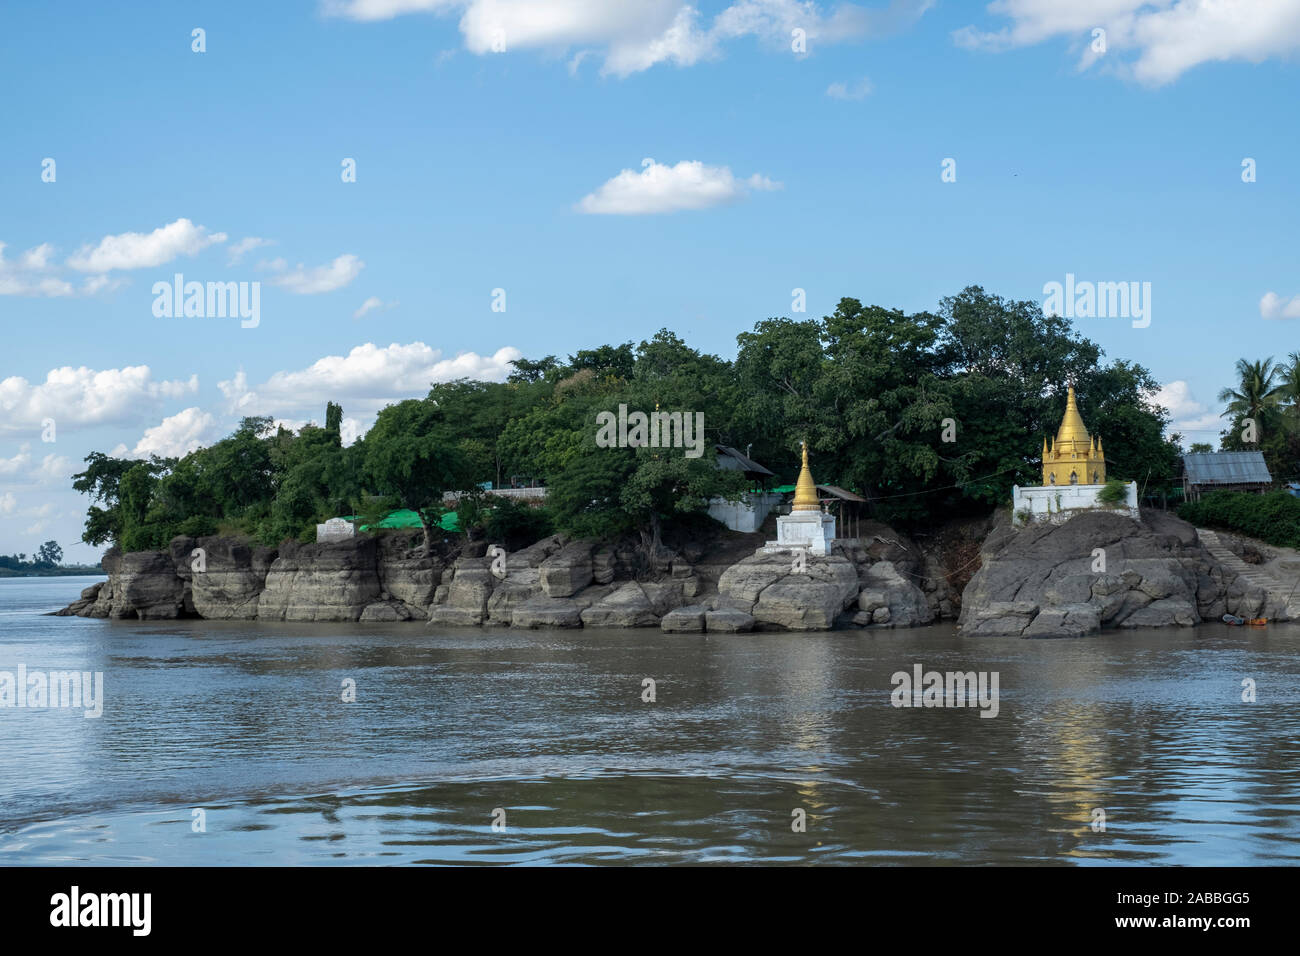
(1227,468)
(734,460)
(837,492)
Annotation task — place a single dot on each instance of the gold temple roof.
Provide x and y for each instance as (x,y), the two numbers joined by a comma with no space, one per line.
(1075,457)
(1072,428)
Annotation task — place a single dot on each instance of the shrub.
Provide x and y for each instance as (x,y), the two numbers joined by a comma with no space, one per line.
(197,526)
(513,521)
(1273,517)
(146,537)
(1113,492)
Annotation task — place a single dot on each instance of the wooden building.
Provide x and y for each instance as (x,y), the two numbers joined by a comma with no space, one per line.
(1225,471)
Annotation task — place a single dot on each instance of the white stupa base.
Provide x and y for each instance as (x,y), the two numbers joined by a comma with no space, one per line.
(812,531)
(1056,504)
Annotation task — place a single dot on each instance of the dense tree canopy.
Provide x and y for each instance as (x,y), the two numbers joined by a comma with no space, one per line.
(927,415)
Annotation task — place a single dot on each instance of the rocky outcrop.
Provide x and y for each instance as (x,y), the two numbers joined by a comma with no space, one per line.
(407,575)
(780,592)
(727,620)
(148,587)
(467,597)
(684,620)
(634,604)
(322,582)
(216,578)
(83,605)
(385,611)
(229,586)
(720,586)
(889,598)
(1098,570)
(547,612)
(568,571)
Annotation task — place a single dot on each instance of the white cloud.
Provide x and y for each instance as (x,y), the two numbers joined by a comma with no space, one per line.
(138,250)
(54,468)
(327,278)
(371,304)
(24,276)
(368,10)
(76,397)
(634,35)
(660,188)
(23,469)
(350,429)
(849,91)
(1274,306)
(365,379)
(244,246)
(1189,417)
(8,503)
(177,435)
(1162,38)
(37,258)
(9,467)
(47,287)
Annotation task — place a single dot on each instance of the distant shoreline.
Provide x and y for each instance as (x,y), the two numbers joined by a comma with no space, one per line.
(55,573)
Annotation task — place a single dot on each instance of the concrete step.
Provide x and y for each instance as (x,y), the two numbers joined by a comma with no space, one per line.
(1280,594)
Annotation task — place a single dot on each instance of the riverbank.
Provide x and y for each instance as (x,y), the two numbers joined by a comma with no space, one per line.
(1096,571)
(74,571)
(720,581)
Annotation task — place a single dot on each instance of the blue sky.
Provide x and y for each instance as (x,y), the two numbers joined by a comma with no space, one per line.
(481,169)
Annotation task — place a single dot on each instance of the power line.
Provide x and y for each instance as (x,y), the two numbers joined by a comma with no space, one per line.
(961,484)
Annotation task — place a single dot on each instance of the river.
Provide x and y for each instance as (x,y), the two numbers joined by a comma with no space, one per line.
(230,743)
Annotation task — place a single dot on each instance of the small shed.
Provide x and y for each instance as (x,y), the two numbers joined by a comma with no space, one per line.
(848,509)
(1224,471)
(732,459)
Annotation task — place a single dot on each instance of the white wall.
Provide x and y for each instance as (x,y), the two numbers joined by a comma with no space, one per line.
(746,515)
(336,529)
(1055,503)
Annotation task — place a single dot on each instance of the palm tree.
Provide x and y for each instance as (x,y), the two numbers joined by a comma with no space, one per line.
(1257,394)
(1290,388)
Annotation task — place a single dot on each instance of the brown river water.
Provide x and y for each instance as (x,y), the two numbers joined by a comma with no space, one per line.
(757,748)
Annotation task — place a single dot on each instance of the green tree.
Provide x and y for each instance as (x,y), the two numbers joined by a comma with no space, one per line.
(475,416)
(409,455)
(1256,396)
(664,484)
(528,371)
(49,553)
(607,361)
(102,481)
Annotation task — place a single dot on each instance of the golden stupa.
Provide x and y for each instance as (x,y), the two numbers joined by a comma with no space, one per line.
(1075,458)
(805,489)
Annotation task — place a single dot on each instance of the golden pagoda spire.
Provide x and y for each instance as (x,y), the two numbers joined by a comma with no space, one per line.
(1075,457)
(805,490)
(1072,428)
